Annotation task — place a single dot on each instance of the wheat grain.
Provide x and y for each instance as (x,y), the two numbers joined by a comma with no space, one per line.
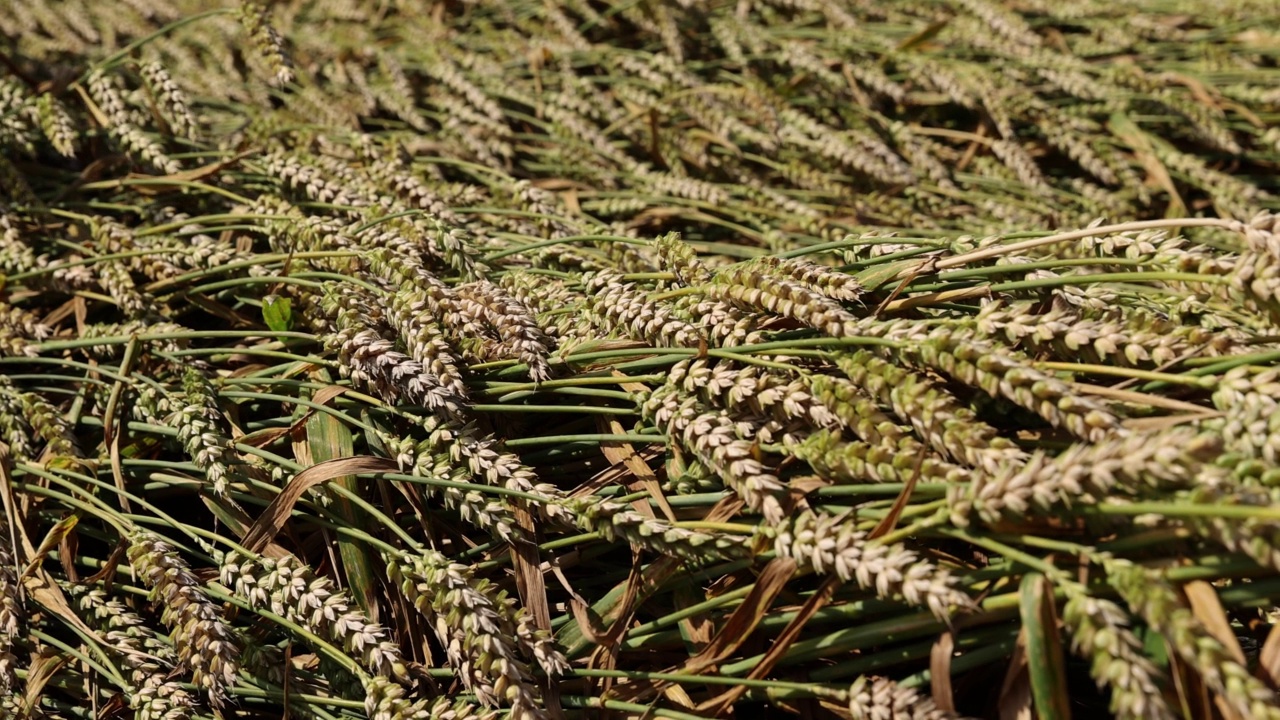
(386,701)
(476,626)
(11,624)
(1088,473)
(269,43)
(149,659)
(207,645)
(717,440)
(171,98)
(124,123)
(292,590)
(939,419)
(20,331)
(882,699)
(828,543)
(1158,604)
(1101,632)
(616,306)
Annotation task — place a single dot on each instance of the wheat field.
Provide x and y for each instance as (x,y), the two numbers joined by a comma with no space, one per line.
(569,359)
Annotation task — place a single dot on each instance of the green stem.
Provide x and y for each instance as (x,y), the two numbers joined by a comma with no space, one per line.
(124,52)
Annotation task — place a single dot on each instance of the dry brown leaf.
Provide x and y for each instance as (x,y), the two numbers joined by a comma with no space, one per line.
(605,656)
(923,268)
(1142,399)
(1194,696)
(1156,424)
(555,184)
(798,490)
(1269,659)
(837,710)
(234,319)
(640,477)
(778,649)
(108,569)
(770,583)
(651,577)
(726,509)
(587,624)
(1198,90)
(117,470)
(264,437)
(301,447)
(238,522)
(634,690)
(924,36)
(940,671)
(697,628)
(571,204)
(80,308)
(68,551)
(529,579)
(42,588)
(1128,131)
(110,437)
(117,706)
(676,694)
(246,370)
(1245,113)
(40,672)
(98,116)
(1015,701)
(593,630)
(531,585)
(51,540)
(621,615)
(556,564)
(327,393)
(806,484)
(12,514)
(273,518)
(942,296)
(192,175)
(62,312)
(1207,608)
(611,475)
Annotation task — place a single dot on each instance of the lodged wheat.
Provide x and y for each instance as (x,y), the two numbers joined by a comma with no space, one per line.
(476,626)
(592,310)
(207,645)
(1158,603)
(11,631)
(828,544)
(154,695)
(1101,632)
(882,699)
(292,590)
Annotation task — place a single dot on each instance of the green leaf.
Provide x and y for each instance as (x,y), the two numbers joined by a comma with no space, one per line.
(877,276)
(1045,662)
(924,35)
(330,439)
(1153,646)
(277,312)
